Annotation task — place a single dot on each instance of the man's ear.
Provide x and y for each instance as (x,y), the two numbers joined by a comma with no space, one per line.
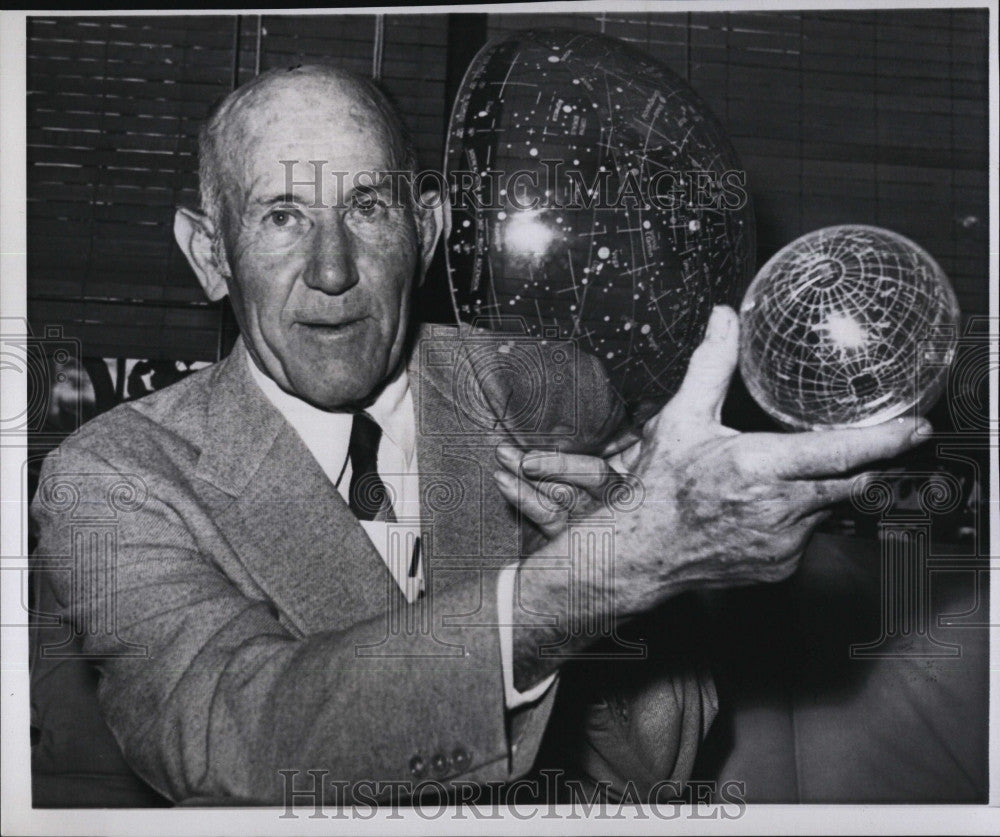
(195,235)
(430,214)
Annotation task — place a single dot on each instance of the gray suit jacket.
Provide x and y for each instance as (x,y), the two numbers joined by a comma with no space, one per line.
(242,621)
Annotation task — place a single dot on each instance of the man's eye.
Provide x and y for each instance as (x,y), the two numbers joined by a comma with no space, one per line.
(367,205)
(282,218)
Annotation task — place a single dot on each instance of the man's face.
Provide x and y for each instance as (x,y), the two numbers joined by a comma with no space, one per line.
(321,282)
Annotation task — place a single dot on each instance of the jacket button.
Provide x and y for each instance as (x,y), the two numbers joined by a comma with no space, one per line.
(460,758)
(418,767)
(439,763)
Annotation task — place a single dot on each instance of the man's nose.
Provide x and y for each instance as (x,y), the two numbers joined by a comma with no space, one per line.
(332,267)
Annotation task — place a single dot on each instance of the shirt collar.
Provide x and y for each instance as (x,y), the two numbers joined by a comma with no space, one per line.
(327,433)
(393,412)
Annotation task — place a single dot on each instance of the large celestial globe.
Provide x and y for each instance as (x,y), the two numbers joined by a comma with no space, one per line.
(847,326)
(596,199)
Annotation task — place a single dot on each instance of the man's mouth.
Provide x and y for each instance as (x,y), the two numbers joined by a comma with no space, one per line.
(329,328)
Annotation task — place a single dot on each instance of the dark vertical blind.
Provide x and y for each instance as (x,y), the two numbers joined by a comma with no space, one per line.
(113,111)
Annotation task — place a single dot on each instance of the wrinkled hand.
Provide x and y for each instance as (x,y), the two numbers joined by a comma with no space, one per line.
(724,508)
(721,508)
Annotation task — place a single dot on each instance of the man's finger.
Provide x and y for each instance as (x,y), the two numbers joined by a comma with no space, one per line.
(818,494)
(557,495)
(528,501)
(620,443)
(711,367)
(588,472)
(829,452)
(510,457)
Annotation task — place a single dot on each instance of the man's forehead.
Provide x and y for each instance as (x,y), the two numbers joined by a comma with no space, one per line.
(296,107)
(302,120)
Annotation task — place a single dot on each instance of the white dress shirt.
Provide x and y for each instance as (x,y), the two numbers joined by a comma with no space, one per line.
(327,435)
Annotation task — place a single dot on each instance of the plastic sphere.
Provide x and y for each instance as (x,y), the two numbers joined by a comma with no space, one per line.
(847,326)
(594,198)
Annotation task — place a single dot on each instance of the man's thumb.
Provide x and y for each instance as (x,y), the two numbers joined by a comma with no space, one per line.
(711,367)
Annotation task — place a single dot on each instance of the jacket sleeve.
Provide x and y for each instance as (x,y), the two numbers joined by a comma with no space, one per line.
(210,696)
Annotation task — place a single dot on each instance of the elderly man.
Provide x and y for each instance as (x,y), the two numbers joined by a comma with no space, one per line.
(290,592)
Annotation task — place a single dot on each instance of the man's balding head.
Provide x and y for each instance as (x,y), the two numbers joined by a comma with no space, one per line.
(234,122)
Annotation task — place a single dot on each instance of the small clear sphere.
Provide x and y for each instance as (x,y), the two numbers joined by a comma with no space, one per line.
(847,326)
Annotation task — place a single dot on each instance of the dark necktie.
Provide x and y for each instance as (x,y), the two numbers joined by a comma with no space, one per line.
(368,496)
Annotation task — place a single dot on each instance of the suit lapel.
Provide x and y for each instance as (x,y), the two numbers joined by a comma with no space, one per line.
(461,507)
(287,523)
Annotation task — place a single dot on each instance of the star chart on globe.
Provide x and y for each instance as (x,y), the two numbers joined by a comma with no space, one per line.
(596,198)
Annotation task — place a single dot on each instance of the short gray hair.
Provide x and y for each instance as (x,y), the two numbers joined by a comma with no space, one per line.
(213,151)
